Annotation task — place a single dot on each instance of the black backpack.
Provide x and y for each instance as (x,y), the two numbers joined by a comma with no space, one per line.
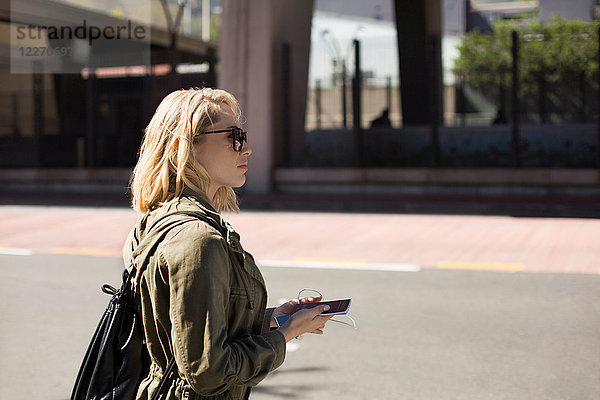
(117,359)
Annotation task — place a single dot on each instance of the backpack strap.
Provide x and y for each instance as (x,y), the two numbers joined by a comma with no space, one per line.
(167,376)
(194,214)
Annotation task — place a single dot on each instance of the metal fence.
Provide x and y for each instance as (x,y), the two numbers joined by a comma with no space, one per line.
(330,94)
(530,120)
(537,94)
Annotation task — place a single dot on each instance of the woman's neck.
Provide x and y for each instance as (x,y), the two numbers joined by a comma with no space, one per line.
(212,191)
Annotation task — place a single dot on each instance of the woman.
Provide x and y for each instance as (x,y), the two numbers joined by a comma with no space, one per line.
(203,297)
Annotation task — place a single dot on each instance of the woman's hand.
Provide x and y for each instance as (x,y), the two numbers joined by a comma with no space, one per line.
(305,321)
(286,307)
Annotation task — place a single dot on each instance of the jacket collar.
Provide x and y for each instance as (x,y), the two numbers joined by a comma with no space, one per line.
(232,237)
(200,199)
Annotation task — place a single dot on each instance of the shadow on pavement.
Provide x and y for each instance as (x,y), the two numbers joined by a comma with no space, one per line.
(554,207)
(286,391)
(493,206)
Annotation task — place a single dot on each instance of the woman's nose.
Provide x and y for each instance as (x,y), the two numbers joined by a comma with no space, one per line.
(246,149)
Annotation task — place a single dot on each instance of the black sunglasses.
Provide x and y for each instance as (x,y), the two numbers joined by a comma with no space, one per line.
(238,136)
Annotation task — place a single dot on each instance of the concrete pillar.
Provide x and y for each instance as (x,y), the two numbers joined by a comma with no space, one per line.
(419,25)
(252,33)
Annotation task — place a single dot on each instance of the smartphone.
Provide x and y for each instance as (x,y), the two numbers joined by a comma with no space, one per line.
(336,307)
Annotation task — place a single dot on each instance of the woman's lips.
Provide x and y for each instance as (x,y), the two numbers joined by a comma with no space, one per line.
(243,166)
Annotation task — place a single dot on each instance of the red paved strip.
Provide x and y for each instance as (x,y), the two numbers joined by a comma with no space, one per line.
(44,229)
(540,244)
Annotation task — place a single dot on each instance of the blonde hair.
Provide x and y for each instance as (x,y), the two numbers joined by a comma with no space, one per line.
(166,163)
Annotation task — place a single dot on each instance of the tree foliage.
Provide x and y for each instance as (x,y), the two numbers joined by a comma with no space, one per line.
(558,52)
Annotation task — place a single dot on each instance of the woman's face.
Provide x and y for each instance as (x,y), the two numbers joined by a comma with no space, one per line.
(215,153)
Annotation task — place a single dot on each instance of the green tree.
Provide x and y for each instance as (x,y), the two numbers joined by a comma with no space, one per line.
(552,55)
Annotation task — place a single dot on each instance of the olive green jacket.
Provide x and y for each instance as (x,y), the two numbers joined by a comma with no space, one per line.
(203,298)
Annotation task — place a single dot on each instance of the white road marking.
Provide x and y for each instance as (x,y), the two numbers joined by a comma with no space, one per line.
(292,346)
(481,266)
(15,252)
(84,251)
(340,265)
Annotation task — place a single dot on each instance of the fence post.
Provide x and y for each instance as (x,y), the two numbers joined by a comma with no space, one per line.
(212,64)
(286,89)
(598,107)
(356,83)
(90,118)
(344,90)
(388,93)
(14,102)
(515,99)
(318,102)
(542,96)
(38,113)
(356,101)
(461,99)
(582,89)
(435,103)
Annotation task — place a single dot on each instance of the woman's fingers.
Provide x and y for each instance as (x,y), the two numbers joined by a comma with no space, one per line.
(320,309)
(310,299)
(319,329)
(305,321)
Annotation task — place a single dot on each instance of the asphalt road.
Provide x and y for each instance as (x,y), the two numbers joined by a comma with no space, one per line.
(432,334)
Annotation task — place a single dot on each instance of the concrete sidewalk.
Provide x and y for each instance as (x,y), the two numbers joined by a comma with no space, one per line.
(360,239)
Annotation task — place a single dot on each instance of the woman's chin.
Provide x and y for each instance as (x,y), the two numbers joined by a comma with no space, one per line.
(241,182)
